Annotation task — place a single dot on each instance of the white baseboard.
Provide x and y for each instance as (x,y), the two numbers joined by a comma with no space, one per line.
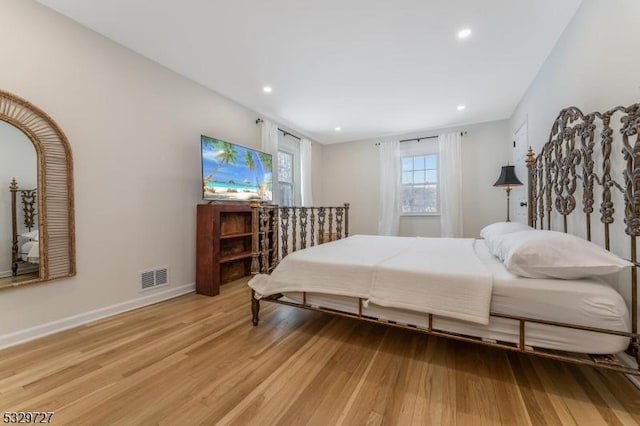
(42,330)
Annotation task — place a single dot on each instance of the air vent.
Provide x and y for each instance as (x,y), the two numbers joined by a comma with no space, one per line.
(161,276)
(147,279)
(153,278)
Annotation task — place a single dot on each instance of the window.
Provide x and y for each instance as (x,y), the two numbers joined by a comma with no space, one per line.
(420,185)
(285,178)
(288,170)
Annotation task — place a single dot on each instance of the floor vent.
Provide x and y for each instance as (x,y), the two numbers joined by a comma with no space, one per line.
(161,276)
(153,278)
(147,279)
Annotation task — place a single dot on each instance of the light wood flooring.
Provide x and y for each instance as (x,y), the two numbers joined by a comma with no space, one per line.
(198,360)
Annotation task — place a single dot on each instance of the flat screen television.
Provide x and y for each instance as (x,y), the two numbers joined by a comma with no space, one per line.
(232,172)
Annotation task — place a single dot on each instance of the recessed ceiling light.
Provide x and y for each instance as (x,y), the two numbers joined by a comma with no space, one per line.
(338,129)
(461,107)
(267,89)
(464,33)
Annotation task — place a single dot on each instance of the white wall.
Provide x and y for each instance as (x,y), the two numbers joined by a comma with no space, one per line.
(591,67)
(17,160)
(134,130)
(594,66)
(352,175)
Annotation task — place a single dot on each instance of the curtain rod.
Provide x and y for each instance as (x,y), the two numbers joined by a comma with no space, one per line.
(290,134)
(421,138)
(260,121)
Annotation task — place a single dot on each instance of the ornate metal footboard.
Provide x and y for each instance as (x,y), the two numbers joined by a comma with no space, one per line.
(594,158)
(280,230)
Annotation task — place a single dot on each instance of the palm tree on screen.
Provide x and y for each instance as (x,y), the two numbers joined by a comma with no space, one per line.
(250,163)
(265,159)
(227,155)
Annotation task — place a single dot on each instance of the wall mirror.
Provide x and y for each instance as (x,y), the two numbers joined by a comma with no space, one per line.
(37,230)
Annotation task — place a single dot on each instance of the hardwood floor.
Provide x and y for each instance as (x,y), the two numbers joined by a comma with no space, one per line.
(198,360)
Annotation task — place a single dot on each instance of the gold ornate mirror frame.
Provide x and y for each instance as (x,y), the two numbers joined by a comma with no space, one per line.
(55,187)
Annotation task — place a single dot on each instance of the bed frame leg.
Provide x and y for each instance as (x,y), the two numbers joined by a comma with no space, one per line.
(255,308)
(634,350)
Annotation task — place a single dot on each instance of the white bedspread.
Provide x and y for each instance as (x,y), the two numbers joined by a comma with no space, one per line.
(30,252)
(431,275)
(442,276)
(344,267)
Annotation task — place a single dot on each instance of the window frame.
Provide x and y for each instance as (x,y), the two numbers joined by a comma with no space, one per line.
(285,184)
(291,146)
(420,149)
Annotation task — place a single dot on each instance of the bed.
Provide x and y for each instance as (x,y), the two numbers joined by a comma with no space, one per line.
(590,161)
(30,251)
(25,245)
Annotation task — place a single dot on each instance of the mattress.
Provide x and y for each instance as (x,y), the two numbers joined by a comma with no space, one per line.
(589,302)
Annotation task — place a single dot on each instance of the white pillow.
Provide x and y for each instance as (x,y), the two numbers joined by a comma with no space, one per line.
(32,235)
(550,254)
(500,228)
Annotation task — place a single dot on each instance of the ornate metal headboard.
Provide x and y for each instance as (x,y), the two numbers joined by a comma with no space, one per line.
(591,161)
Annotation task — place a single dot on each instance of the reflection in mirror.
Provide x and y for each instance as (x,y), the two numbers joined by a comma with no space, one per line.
(54,256)
(19,247)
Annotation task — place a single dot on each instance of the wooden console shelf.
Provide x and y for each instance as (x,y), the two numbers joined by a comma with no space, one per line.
(233,257)
(223,245)
(240,234)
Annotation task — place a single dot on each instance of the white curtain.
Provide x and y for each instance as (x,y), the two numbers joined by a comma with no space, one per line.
(305,173)
(389,220)
(270,146)
(450,180)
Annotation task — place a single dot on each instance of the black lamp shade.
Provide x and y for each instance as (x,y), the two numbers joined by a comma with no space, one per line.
(508,177)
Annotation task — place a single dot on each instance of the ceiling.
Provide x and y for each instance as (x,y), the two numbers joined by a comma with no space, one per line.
(370,67)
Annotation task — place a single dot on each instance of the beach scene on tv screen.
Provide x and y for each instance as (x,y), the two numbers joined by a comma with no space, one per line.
(233,172)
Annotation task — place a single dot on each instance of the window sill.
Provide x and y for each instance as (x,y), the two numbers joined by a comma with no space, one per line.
(419,214)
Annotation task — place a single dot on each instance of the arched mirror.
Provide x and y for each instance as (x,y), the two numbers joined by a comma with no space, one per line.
(37,237)
(19,241)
